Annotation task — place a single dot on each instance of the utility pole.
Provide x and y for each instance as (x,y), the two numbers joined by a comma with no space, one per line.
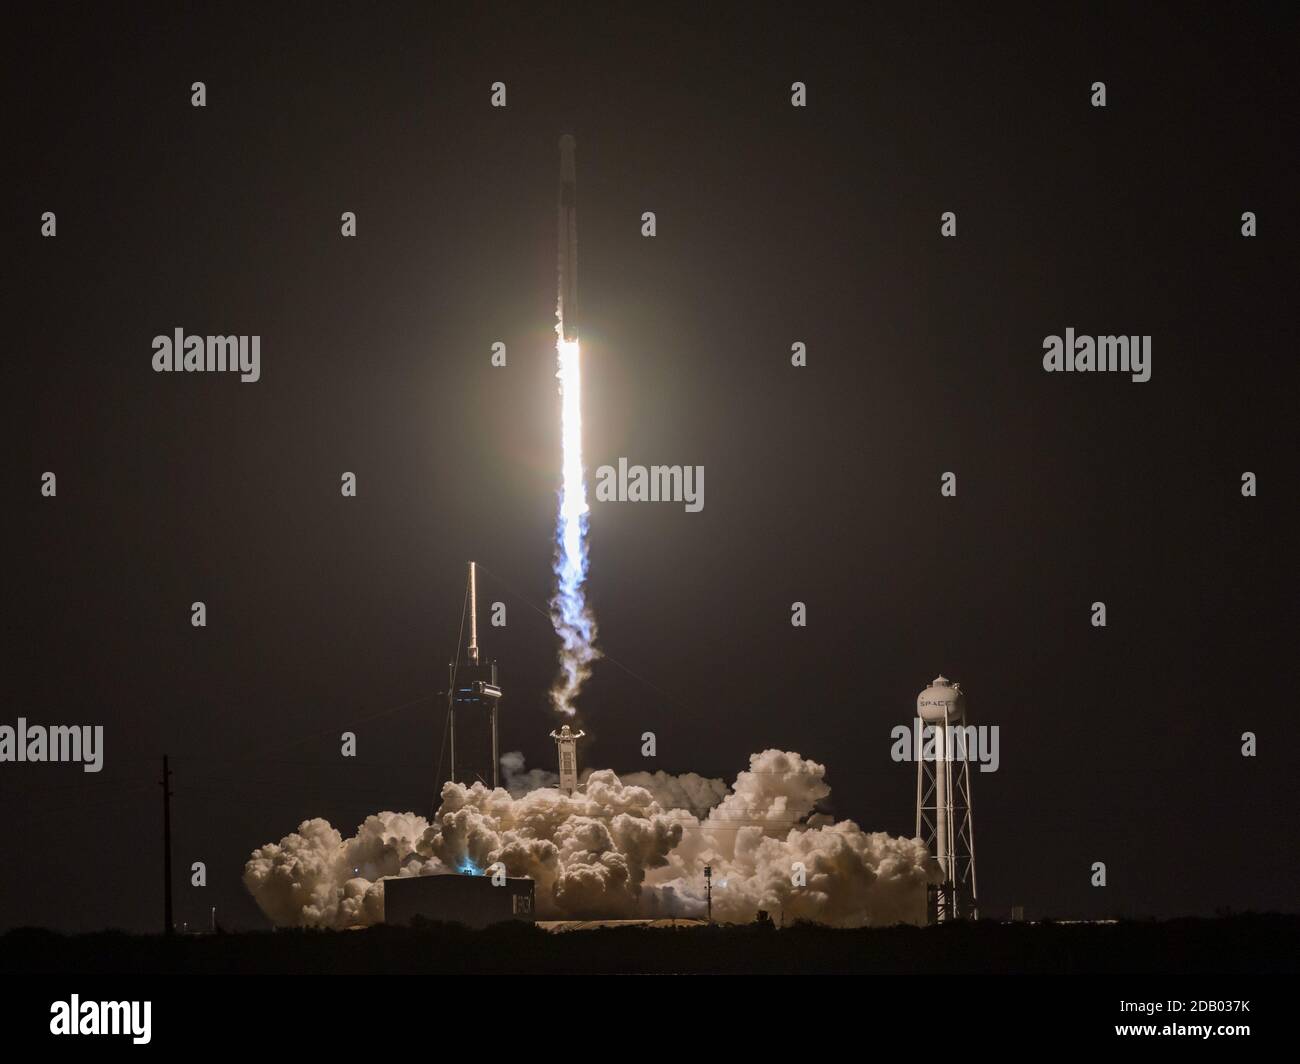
(169,927)
(708,889)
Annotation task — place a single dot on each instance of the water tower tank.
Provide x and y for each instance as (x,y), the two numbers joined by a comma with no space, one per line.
(939,697)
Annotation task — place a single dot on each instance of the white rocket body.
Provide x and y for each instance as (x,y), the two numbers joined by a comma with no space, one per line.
(568,263)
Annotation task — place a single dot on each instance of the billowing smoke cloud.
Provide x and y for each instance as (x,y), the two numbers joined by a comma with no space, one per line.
(624,846)
(316,878)
(696,794)
(518,781)
(770,851)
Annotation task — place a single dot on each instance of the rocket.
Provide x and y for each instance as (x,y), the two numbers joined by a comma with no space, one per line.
(567,309)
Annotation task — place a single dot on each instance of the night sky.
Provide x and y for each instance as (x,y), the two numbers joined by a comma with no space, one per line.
(775,225)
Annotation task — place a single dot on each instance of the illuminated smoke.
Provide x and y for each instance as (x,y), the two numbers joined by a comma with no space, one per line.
(621,847)
(572,618)
(315,878)
(518,781)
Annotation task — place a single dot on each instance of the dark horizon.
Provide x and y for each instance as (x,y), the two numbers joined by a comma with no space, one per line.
(775,225)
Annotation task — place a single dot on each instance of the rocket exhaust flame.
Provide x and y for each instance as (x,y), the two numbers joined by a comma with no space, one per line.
(571,617)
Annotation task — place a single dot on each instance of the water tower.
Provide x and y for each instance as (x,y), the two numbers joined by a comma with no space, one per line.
(943,805)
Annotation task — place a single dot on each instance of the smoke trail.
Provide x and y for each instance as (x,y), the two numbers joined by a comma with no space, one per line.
(570,615)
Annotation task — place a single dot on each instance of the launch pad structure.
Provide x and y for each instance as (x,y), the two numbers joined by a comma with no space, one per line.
(475,696)
(566,745)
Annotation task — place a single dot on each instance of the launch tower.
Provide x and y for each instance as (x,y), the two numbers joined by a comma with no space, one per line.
(475,696)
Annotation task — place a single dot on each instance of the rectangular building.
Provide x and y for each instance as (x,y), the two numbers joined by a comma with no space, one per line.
(462,899)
